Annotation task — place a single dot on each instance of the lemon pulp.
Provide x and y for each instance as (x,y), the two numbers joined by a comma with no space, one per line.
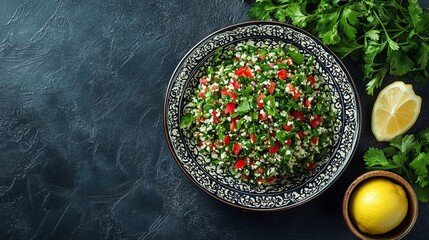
(395,111)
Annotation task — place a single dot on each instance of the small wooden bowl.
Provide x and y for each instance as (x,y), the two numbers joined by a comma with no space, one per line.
(405,226)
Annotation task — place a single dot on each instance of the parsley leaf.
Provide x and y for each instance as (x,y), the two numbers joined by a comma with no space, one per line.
(186,121)
(407,156)
(391,36)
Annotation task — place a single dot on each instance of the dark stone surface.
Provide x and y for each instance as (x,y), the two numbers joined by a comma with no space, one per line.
(82,147)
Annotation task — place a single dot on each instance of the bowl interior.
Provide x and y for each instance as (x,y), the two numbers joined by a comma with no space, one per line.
(405,226)
(286,183)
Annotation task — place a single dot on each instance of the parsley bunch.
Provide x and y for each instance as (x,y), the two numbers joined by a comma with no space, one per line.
(407,156)
(391,36)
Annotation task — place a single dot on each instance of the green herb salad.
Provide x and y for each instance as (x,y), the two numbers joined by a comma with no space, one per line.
(261,112)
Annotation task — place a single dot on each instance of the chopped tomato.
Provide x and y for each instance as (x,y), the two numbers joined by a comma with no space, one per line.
(287,128)
(289,142)
(316,121)
(226,140)
(215,88)
(202,96)
(224,92)
(301,135)
(312,80)
(298,114)
(244,71)
(270,179)
(271,87)
(282,74)
(260,170)
(233,124)
(233,95)
(253,138)
(274,148)
(260,100)
(263,117)
(307,103)
(230,108)
(262,57)
(310,165)
(240,164)
(203,81)
(200,143)
(214,116)
(295,94)
(315,140)
(236,148)
(235,84)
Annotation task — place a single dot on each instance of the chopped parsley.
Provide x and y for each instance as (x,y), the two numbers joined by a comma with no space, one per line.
(261,113)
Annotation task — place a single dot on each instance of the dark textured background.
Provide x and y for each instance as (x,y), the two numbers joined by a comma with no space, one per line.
(82,147)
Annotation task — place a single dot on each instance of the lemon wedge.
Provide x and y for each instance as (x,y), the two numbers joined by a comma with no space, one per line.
(395,111)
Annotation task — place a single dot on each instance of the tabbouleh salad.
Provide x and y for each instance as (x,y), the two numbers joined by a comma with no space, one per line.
(261,113)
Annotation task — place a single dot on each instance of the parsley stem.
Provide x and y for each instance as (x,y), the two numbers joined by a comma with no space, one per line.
(382,25)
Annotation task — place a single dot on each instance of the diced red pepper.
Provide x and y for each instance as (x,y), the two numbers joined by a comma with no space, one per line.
(235,84)
(282,74)
(200,143)
(315,140)
(289,142)
(310,165)
(312,80)
(287,128)
(233,124)
(262,57)
(316,121)
(226,140)
(259,102)
(239,164)
(253,138)
(307,103)
(230,108)
(298,114)
(203,81)
(271,87)
(260,170)
(274,148)
(236,148)
(301,135)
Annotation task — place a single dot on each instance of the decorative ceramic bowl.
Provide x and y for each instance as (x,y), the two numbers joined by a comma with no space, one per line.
(292,191)
(406,225)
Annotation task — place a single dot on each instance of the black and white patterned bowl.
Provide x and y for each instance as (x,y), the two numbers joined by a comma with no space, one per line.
(289,192)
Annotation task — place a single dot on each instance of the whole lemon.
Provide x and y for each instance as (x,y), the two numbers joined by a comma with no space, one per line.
(378,206)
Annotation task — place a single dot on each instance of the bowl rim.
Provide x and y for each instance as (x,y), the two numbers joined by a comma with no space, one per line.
(353,86)
(411,196)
